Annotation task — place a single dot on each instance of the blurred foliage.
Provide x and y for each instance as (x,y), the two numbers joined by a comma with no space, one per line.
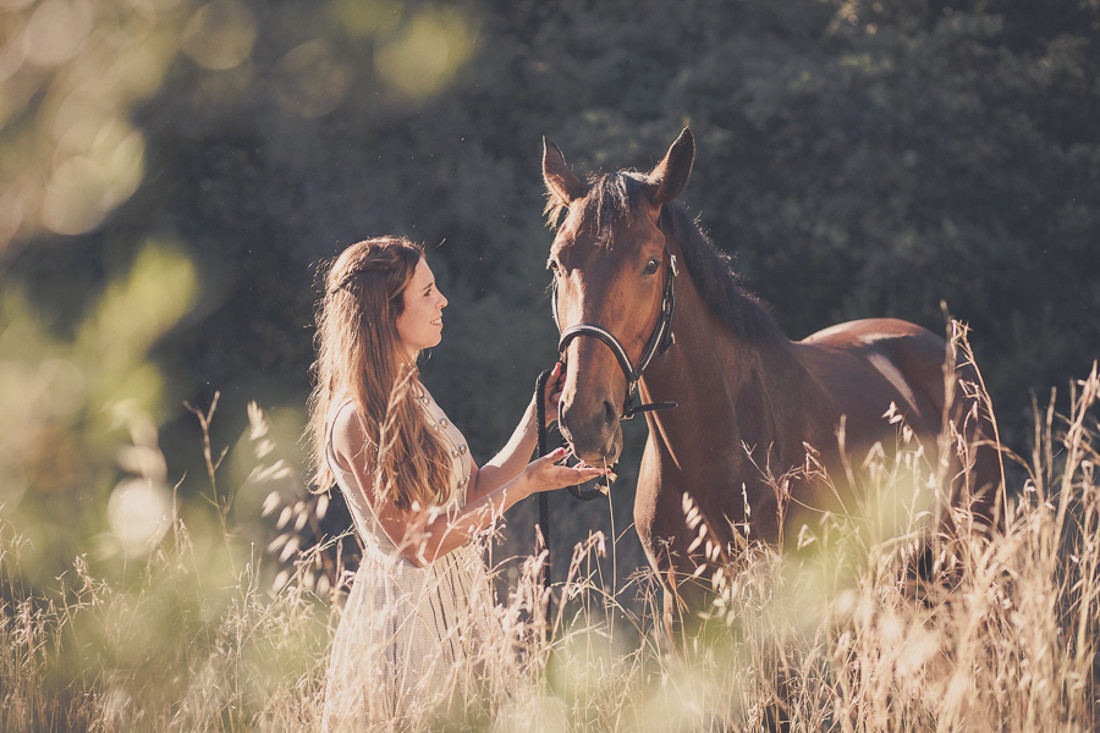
(80,415)
(857,158)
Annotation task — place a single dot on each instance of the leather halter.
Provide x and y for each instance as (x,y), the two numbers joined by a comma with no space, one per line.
(659,341)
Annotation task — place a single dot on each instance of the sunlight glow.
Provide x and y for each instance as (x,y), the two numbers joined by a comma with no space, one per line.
(140,513)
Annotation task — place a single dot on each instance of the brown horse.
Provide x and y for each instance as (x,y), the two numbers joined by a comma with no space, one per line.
(638,287)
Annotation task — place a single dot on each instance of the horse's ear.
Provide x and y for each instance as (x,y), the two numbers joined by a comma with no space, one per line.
(671,175)
(561,182)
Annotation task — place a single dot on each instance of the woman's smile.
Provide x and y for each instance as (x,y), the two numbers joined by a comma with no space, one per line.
(420,325)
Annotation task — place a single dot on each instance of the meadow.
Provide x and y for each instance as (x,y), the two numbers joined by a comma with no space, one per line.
(209,631)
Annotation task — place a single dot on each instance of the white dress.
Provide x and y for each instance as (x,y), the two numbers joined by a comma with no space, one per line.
(411,640)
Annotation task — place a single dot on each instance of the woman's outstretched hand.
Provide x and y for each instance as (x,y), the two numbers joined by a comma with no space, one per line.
(548,473)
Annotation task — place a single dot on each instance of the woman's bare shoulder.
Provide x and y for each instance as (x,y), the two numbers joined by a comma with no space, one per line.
(349,436)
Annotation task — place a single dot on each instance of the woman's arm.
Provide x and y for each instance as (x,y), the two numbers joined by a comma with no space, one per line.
(513,457)
(426,534)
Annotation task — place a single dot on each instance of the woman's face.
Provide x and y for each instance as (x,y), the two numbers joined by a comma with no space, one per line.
(420,325)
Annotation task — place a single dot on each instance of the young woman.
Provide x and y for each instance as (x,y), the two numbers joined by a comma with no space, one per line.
(419,608)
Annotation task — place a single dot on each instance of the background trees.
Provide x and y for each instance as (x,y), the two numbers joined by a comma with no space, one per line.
(189,163)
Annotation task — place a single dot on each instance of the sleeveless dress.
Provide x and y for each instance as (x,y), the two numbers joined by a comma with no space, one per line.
(410,640)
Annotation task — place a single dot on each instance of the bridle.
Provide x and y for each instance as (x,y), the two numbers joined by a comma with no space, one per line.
(659,341)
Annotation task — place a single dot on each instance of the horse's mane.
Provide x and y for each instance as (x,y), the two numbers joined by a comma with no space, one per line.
(712,272)
(613,197)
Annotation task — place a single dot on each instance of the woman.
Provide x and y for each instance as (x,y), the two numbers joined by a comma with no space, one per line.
(419,617)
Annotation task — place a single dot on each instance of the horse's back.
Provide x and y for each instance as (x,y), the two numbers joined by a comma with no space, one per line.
(879,332)
(883,361)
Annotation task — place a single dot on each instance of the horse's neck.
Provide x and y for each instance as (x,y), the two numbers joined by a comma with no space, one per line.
(729,391)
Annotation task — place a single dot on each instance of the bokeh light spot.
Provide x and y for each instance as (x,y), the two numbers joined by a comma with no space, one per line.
(140,513)
(84,188)
(220,35)
(56,31)
(363,19)
(311,81)
(427,53)
(11,214)
(74,200)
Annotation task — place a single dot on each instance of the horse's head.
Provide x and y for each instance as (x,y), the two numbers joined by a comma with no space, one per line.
(613,275)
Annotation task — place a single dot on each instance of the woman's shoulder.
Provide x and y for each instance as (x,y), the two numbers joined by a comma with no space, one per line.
(343,412)
(346,430)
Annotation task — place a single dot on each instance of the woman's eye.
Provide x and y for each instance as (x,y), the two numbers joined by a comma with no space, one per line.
(652,266)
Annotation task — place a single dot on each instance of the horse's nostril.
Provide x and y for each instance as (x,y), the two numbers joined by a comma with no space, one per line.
(609,413)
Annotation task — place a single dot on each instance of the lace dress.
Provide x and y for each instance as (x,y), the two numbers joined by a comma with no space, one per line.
(410,640)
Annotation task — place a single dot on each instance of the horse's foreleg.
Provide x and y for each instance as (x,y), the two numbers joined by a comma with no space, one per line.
(684,598)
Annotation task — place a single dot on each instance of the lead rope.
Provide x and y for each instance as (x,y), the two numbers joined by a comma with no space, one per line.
(577,491)
(544,500)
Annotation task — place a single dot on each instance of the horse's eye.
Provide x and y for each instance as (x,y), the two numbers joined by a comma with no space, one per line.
(652,266)
(552,266)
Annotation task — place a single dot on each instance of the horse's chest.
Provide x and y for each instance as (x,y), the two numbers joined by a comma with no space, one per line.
(667,490)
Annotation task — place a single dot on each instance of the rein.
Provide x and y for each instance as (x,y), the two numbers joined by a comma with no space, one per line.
(544,500)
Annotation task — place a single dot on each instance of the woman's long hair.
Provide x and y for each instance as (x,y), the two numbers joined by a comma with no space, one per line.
(358,359)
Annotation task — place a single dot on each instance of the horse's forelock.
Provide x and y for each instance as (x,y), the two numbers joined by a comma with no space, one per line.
(612,199)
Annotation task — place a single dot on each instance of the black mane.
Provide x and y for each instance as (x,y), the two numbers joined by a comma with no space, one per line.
(613,197)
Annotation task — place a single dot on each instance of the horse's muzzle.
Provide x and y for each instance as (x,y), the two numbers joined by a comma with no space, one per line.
(592,430)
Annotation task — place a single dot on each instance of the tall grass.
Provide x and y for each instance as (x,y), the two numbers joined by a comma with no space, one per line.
(842,636)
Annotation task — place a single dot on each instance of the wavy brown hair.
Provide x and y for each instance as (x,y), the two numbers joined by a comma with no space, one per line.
(358,359)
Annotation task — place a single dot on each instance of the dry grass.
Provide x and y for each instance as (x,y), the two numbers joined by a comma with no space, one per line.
(841,636)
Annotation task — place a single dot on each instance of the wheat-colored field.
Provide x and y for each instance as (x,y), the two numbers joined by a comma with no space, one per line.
(996,631)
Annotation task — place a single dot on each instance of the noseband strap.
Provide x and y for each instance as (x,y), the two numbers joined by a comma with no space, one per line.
(659,341)
(591,329)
